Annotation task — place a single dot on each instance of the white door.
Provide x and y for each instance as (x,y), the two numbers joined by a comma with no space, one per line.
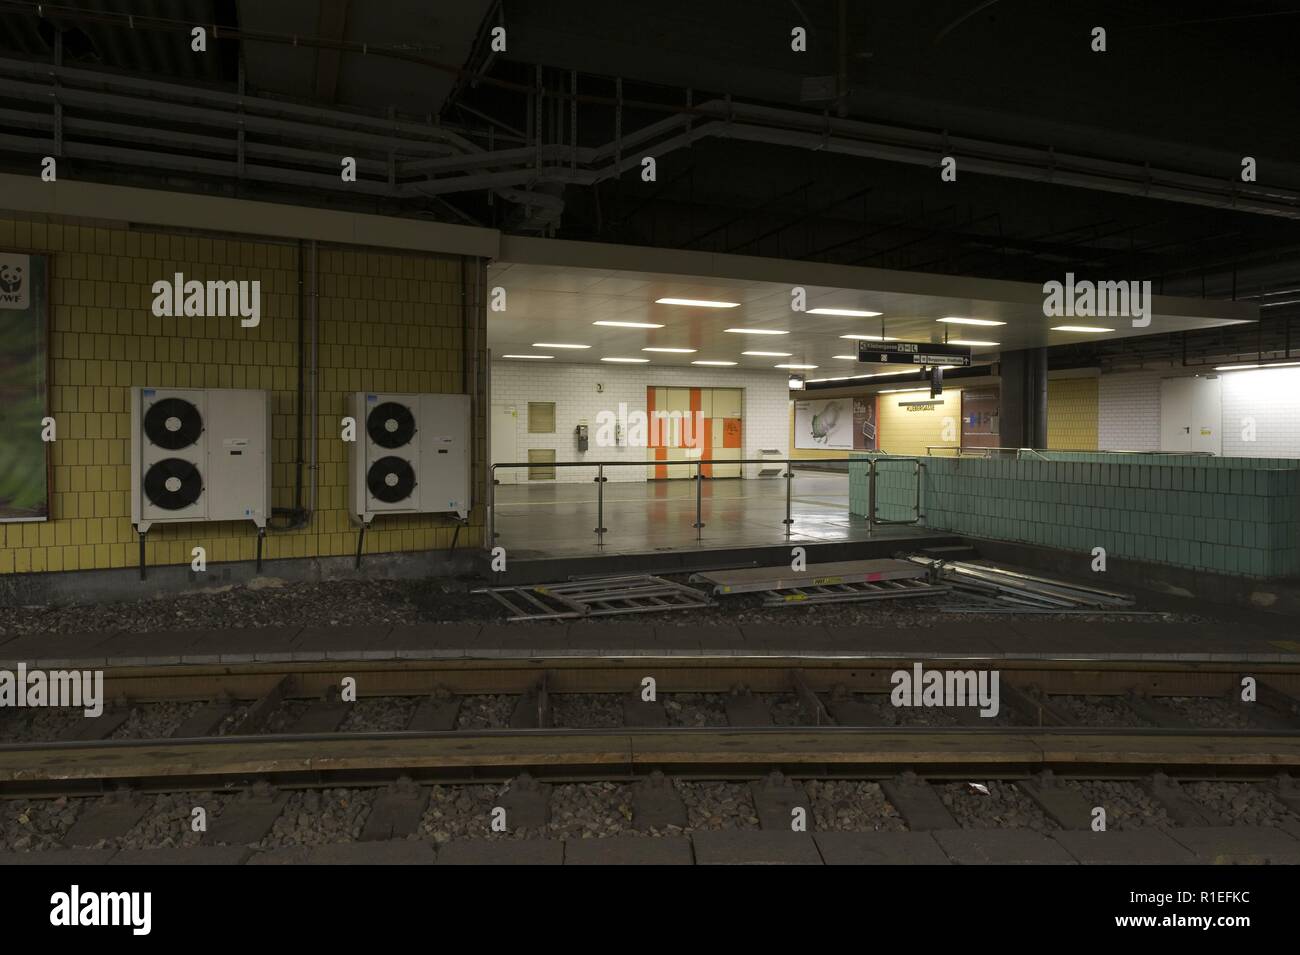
(505,421)
(1191,415)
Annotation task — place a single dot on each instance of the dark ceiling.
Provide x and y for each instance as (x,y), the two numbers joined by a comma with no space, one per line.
(1189,86)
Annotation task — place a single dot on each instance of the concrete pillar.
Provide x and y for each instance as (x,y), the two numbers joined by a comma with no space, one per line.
(1023,418)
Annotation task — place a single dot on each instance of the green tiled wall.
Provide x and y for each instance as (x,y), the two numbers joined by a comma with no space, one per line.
(1226,515)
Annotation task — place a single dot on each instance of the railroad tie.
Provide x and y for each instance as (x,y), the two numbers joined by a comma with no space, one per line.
(918,803)
(248,818)
(396,811)
(107,818)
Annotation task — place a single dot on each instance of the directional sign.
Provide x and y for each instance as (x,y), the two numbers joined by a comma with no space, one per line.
(913,353)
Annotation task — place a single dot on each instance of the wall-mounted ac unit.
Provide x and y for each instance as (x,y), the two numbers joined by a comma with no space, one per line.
(410,456)
(200,454)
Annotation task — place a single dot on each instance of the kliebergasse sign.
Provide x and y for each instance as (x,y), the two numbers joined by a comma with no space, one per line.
(1086,299)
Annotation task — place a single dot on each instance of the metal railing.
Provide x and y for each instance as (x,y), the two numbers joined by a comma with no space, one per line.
(1021,452)
(868,461)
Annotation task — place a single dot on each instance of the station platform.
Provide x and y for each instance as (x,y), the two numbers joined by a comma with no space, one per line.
(1003,639)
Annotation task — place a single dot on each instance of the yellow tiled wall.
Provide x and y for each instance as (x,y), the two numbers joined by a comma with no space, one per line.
(904,430)
(387,322)
(1072,414)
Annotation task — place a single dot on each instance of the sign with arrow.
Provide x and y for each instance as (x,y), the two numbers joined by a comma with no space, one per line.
(913,353)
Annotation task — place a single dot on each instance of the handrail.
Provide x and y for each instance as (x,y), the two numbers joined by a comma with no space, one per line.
(972,449)
(870,462)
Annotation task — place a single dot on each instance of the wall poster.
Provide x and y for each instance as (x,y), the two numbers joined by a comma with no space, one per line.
(24,386)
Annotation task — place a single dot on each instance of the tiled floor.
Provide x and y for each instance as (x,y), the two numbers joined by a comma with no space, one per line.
(560,519)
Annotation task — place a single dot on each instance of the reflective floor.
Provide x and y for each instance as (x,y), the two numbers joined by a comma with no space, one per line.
(552,518)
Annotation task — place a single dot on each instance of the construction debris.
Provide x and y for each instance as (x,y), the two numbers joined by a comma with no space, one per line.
(850,581)
(998,590)
(595,598)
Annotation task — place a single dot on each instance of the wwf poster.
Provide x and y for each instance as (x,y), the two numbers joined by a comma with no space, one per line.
(864,423)
(24,386)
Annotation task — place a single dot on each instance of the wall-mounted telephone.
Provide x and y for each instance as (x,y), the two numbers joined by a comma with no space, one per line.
(581,432)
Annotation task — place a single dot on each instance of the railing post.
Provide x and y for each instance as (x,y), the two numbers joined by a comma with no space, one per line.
(492,507)
(916,508)
(600,505)
(789,478)
(699,499)
(871,497)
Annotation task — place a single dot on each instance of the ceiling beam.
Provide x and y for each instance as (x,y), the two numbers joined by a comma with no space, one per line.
(332,25)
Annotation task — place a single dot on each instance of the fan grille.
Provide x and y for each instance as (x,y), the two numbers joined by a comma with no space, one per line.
(173,484)
(390,425)
(391,479)
(173,423)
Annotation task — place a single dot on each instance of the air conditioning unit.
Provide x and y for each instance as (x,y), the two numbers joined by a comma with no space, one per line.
(200,454)
(410,456)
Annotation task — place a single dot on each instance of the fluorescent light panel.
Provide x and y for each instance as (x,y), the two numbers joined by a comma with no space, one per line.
(713,363)
(953,320)
(847,312)
(795,366)
(695,303)
(628,324)
(1274,364)
(627,361)
(767,354)
(1080,328)
(674,351)
(556,345)
(970,342)
(754,331)
(870,338)
(527,356)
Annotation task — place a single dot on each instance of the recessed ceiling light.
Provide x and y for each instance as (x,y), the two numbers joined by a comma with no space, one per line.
(900,391)
(846,357)
(556,345)
(1080,328)
(767,354)
(695,302)
(849,312)
(1274,364)
(674,351)
(870,338)
(713,363)
(970,342)
(794,366)
(628,324)
(755,331)
(628,361)
(527,356)
(969,321)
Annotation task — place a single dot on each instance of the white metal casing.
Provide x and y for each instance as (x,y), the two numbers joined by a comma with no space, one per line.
(437,453)
(231,454)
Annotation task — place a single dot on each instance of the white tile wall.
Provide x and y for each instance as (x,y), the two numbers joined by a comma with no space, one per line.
(1129,411)
(1271,396)
(573,388)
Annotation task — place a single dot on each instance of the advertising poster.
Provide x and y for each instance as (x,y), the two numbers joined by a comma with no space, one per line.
(864,423)
(24,387)
(824,425)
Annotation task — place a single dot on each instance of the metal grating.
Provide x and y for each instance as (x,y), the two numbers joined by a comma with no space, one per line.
(596,598)
(855,592)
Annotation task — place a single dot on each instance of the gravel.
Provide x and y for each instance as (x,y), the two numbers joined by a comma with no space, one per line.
(36,825)
(42,724)
(1098,710)
(1242,804)
(587,710)
(1207,711)
(320,817)
(785,709)
(848,806)
(271,602)
(485,712)
(712,806)
(169,822)
(695,709)
(154,720)
(380,714)
(1127,805)
(1004,806)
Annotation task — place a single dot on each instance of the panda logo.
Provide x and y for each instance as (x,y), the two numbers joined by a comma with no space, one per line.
(11,278)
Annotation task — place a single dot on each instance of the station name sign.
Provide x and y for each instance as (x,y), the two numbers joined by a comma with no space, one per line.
(913,353)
